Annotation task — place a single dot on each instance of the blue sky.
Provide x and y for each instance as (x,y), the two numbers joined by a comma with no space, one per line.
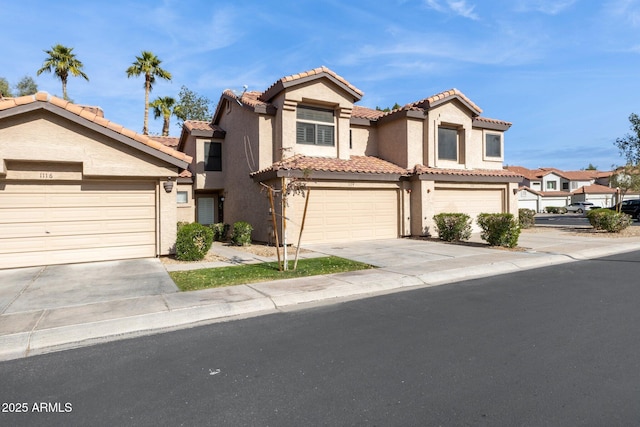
(564,72)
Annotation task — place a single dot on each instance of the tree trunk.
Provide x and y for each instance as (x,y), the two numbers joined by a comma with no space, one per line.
(145,126)
(64,90)
(165,126)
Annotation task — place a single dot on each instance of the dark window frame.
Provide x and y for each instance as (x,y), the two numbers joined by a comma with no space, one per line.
(446,144)
(213,161)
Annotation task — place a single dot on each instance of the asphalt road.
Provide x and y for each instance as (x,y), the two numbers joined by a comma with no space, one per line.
(557,346)
(569,219)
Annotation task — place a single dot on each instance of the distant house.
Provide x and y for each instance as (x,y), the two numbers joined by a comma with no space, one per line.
(550,187)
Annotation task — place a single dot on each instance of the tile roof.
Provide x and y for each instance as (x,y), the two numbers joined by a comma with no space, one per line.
(536,174)
(169,141)
(421,169)
(366,113)
(445,96)
(595,189)
(249,98)
(287,80)
(200,125)
(492,121)
(356,164)
(94,116)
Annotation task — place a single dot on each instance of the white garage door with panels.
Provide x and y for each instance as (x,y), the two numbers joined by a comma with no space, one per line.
(58,223)
(469,201)
(335,215)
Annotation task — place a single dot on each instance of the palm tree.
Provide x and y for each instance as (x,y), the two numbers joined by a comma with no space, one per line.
(162,106)
(62,62)
(149,65)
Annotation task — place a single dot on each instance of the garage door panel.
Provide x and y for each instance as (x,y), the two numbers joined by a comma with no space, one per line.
(348,214)
(471,202)
(79,227)
(53,223)
(54,243)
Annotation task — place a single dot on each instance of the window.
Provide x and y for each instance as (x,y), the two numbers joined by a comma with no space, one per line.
(493,145)
(315,126)
(183,197)
(551,185)
(447,144)
(565,185)
(212,156)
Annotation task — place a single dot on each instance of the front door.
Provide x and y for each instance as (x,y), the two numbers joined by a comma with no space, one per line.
(206,210)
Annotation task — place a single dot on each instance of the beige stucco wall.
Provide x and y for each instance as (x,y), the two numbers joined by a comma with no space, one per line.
(364,141)
(319,93)
(207,179)
(47,138)
(246,150)
(393,141)
(477,150)
(452,114)
(186,211)
(41,135)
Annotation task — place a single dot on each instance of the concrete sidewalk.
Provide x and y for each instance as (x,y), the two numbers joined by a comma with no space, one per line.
(402,264)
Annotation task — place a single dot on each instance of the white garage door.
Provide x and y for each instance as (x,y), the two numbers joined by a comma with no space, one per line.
(337,215)
(471,202)
(528,204)
(59,223)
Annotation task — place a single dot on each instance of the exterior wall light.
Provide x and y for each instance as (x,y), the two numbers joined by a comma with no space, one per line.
(168,185)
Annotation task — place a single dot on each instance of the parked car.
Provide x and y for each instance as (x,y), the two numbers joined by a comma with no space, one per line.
(630,207)
(580,207)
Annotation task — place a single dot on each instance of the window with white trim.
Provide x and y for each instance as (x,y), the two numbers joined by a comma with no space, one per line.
(447,143)
(493,145)
(552,185)
(315,126)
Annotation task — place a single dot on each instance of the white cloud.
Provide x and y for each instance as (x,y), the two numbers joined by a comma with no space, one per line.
(461,8)
(549,7)
(458,7)
(628,10)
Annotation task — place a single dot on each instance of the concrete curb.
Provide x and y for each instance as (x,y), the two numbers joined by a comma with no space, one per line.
(188,309)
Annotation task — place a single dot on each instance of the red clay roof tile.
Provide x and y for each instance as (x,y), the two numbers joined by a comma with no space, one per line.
(356,164)
(168,141)
(451,93)
(421,169)
(315,71)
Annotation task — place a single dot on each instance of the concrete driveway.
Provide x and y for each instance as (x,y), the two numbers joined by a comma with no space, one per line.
(400,253)
(38,288)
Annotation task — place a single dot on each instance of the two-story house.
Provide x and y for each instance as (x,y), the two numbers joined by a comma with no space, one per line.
(370,174)
(550,187)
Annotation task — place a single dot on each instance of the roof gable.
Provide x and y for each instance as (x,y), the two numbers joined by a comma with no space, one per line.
(308,76)
(447,96)
(92,118)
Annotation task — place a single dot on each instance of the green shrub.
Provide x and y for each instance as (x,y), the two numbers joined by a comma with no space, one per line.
(556,209)
(526,217)
(500,229)
(193,242)
(181,224)
(608,220)
(453,226)
(241,235)
(220,231)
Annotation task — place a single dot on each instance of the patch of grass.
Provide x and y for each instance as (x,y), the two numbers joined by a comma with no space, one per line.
(251,273)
